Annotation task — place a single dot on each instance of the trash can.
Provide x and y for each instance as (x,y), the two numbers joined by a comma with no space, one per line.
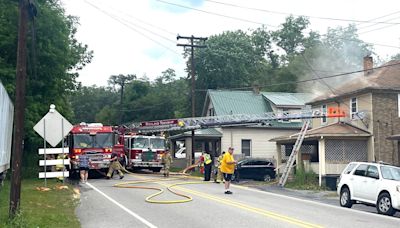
(331,182)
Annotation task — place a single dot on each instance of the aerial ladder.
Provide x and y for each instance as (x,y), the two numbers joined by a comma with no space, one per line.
(186,124)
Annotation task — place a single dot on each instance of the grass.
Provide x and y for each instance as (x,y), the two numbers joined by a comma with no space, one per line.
(55,208)
(305,181)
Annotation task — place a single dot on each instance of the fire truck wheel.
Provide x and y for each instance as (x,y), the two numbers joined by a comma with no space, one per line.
(156,170)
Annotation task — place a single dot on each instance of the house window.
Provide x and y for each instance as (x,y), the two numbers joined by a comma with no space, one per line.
(398,103)
(211,112)
(323,119)
(246,147)
(353,107)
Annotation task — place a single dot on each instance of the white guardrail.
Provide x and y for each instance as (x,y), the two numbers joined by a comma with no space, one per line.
(56,164)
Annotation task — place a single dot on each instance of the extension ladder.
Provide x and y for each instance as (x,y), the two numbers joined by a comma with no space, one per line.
(295,150)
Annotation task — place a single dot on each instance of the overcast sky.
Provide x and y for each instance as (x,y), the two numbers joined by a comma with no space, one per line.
(139,36)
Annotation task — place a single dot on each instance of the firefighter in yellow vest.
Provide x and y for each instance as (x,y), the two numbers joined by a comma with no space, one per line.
(207,166)
(166,161)
(218,174)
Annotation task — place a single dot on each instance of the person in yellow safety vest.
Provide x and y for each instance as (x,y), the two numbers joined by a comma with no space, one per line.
(60,167)
(207,166)
(166,160)
(218,174)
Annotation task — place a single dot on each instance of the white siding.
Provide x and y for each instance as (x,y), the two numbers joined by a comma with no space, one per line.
(260,145)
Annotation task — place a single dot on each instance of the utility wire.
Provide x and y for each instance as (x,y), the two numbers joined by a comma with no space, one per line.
(260,23)
(307,80)
(298,15)
(217,14)
(130,27)
(142,21)
(367,26)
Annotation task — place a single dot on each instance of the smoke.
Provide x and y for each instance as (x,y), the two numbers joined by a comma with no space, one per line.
(327,59)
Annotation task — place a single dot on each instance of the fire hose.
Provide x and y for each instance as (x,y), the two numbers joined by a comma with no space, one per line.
(150,198)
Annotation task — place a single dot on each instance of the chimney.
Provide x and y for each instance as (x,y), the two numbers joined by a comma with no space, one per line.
(368,65)
(256,89)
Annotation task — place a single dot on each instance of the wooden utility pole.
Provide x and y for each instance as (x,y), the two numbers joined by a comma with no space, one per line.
(192,71)
(20,82)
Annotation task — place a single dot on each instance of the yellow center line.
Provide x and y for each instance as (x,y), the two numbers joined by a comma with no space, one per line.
(251,209)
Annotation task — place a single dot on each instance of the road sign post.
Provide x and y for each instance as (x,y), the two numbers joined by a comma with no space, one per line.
(51,123)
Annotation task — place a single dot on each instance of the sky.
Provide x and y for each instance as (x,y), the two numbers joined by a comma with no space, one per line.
(139,36)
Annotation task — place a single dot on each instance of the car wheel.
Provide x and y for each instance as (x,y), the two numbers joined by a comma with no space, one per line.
(384,204)
(345,199)
(235,177)
(267,178)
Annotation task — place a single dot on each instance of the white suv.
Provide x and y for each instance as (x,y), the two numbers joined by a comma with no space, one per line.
(372,184)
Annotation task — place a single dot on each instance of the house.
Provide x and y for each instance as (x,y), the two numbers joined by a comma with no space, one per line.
(248,140)
(370,130)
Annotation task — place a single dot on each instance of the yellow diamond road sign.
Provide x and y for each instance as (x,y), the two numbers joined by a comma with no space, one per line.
(53,127)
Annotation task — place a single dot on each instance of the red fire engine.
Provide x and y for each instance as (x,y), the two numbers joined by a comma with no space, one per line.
(143,152)
(95,140)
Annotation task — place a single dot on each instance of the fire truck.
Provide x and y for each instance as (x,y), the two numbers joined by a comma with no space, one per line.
(96,141)
(143,152)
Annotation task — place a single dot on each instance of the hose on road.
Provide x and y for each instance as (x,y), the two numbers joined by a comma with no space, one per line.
(150,199)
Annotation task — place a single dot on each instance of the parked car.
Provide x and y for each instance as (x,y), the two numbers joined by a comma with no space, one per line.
(373,184)
(181,153)
(256,169)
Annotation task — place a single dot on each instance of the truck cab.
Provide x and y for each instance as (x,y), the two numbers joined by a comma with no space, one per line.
(144,152)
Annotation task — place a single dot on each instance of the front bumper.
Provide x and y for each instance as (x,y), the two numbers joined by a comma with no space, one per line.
(135,163)
(94,165)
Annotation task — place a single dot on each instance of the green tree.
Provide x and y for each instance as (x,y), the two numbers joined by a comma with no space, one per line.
(121,80)
(55,56)
(88,101)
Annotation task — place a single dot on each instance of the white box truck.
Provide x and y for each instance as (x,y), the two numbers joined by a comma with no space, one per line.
(6,130)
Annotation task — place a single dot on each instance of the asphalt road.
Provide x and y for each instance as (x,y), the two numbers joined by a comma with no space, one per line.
(103,205)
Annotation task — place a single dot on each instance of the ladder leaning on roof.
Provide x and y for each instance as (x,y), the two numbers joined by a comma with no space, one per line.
(295,150)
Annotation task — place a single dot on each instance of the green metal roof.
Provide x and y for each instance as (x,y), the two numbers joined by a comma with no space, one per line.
(247,102)
(238,102)
(207,132)
(288,99)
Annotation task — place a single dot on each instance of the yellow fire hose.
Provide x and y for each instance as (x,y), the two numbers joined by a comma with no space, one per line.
(150,199)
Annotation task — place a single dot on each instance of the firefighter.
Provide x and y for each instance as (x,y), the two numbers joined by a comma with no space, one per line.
(115,165)
(166,161)
(218,176)
(207,166)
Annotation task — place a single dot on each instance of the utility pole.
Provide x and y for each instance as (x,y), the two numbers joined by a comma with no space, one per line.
(20,82)
(192,71)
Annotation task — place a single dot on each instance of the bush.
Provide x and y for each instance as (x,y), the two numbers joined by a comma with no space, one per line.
(305,180)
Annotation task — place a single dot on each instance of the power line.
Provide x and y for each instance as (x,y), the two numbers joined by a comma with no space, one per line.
(307,80)
(260,23)
(142,21)
(367,26)
(217,14)
(130,27)
(298,15)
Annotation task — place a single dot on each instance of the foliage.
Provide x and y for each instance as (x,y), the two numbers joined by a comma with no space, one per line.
(55,208)
(54,56)
(304,180)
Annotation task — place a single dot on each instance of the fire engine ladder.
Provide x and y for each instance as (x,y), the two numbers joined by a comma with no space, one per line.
(295,150)
(226,120)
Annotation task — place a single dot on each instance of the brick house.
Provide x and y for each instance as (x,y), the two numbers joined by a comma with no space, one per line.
(370,130)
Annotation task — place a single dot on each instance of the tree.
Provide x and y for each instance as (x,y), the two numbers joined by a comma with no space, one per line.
(55,56)
(121,80)
(87,102)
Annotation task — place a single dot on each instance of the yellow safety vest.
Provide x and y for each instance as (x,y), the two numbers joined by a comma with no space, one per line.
(207,159)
